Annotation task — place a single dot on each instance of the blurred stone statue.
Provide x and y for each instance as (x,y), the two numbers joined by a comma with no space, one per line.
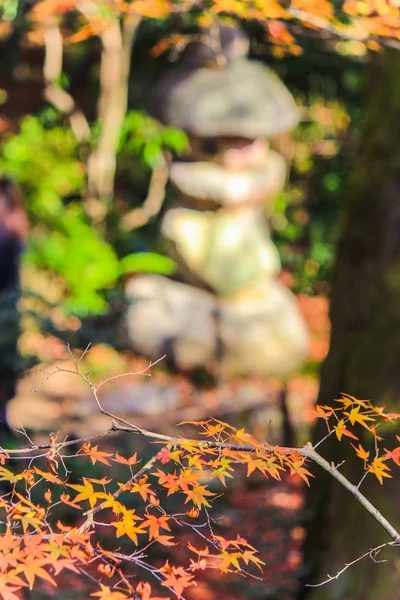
(228,303)
(13,232)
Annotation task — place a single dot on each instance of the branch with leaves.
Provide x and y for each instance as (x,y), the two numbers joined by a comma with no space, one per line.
(34,547)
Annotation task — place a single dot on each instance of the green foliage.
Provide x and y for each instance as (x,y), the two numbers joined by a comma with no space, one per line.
(144,136)
(305,214)
(46,161)
(149,262)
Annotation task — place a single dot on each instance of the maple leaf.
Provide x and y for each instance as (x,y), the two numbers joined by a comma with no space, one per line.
(348,401)
(373,429)
(7,475)
(341,430)
(394,455)
(155,523)
(106,594)
(127,526)
(86,492)
(322,412)
(132,460)
(164,456)
(267,466)
(195,565)
(379,469)
(380,410)
(212,430)
(97,456)
(176,578)
(64,563)
(7,591)
(250,556)
(48,476)
(197,496)
(356,417)
(166,540)
(32,568)
(190,446)
(143,489)
(195,460)
(7,545)
(28,518)
(361,453)
(56,549)
(9,583)
(297,468)
(241,437)
(169,481)
(65,498)
(228,559)
(188,477)
(204,552)
(144,591)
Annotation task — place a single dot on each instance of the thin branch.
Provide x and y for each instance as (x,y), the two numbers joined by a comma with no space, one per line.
(309,452)
(371,553)
(52,70)
(142,372)
(138,217)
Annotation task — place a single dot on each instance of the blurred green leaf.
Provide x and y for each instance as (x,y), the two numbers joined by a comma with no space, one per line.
(147,262)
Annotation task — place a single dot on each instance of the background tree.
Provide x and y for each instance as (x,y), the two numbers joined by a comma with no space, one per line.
(365,345)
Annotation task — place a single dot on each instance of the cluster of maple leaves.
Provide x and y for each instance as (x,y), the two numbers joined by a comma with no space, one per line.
(35,544)
(33,547)
(367,22)
(362,412)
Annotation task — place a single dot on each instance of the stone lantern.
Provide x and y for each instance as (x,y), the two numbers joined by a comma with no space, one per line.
(228,303)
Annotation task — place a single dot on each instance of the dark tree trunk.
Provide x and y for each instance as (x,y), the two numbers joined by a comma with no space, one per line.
(364,355)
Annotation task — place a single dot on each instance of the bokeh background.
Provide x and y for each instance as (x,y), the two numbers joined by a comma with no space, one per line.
(88,238)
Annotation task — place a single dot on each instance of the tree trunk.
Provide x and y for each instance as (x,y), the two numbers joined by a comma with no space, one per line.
(364,355)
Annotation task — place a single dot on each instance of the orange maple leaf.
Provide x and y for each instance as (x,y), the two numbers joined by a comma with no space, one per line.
(379,469)
(155,523)
(10,582)
(32,568)
(132,460)
(8,544)
(97,456)
(169,481)
(361,453)
(144,591)
(143,489)
(176,578)
(197,496)
(297,468)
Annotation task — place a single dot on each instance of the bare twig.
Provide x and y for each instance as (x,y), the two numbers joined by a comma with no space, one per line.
(371,553)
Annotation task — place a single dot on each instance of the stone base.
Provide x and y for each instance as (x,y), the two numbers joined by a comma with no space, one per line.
(258,331)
